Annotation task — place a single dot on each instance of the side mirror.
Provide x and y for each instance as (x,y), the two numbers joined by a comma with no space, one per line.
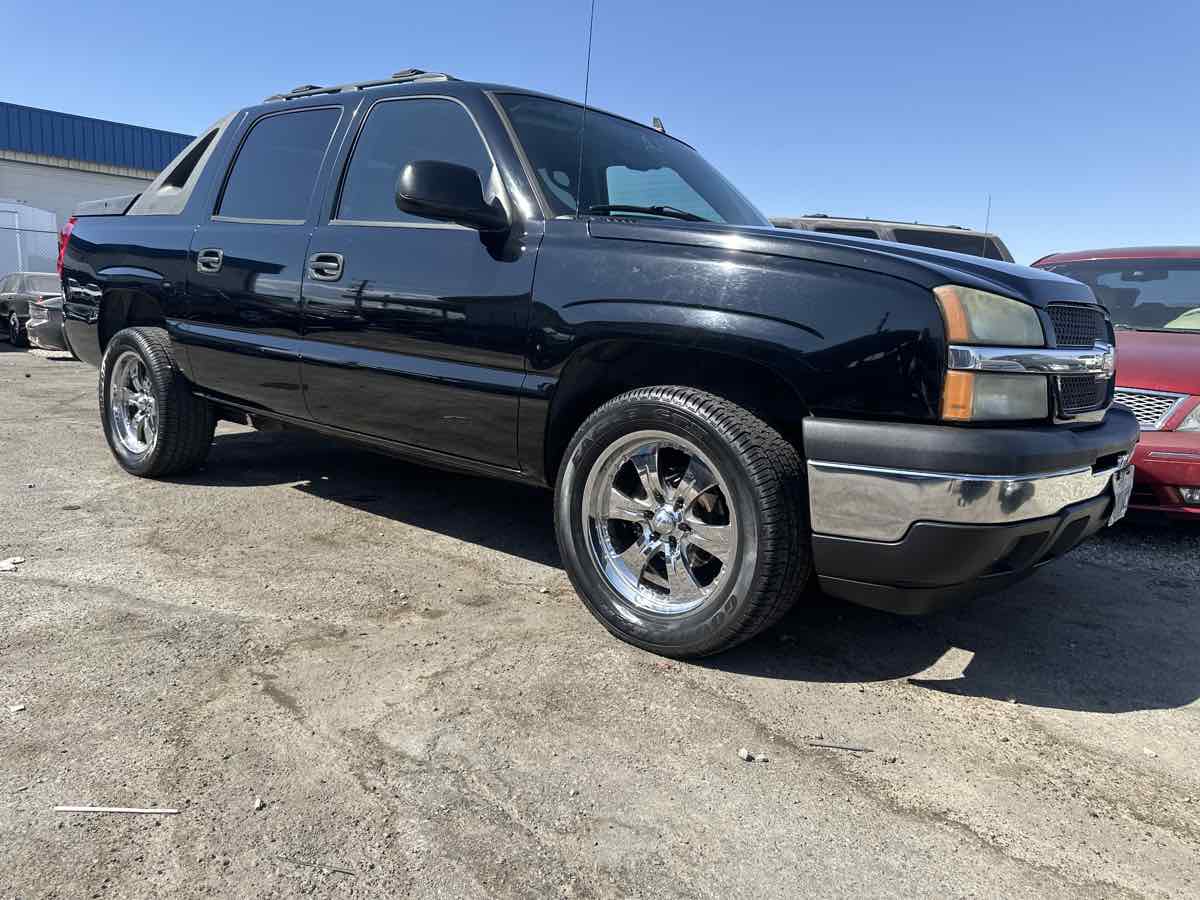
(442,190)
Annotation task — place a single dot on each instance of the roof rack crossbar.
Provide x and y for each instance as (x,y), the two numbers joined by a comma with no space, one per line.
(401,77)
(878,221)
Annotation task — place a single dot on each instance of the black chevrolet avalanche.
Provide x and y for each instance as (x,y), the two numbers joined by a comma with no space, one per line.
(502,282)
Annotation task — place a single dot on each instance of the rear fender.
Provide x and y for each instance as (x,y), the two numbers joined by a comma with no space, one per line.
(120,271)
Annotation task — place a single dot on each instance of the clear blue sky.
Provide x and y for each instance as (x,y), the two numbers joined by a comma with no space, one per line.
(1081,119)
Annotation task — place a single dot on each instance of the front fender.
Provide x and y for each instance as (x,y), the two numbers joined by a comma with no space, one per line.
(852,342)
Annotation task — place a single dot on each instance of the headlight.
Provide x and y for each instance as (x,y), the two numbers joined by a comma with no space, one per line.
(977,317)
(991,396)
(1191,422)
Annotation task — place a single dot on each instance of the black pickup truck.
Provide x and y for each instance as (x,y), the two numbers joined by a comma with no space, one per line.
(506,283)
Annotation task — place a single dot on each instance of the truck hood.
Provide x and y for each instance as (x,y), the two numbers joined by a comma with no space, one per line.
(922,265)
(1159,361)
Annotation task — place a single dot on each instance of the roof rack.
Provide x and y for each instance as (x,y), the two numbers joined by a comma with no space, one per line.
(879,221)
(401,77)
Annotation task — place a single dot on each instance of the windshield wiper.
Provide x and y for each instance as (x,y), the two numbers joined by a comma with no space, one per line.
(667,212)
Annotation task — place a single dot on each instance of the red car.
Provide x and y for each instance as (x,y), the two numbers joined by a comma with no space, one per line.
(1153,296)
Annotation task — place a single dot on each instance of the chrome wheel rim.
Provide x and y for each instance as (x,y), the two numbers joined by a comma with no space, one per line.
(661,524)
(133,411)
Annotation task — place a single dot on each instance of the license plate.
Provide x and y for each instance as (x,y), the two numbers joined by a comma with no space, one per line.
(1122,482)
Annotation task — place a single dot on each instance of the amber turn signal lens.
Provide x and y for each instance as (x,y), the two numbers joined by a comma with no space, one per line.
(958,397)
(958,327)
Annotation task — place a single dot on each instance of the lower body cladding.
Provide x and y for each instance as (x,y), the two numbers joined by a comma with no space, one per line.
(909,518)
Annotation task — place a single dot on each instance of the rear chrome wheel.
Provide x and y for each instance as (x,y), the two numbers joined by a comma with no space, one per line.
(661,527)
(153,422)
(132,408)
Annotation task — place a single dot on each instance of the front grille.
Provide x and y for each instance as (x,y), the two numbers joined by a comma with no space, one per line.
(1077,326)
(1081,393)
(1151,409)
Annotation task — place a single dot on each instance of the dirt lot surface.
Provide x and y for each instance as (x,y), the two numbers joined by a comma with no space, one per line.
(392,661)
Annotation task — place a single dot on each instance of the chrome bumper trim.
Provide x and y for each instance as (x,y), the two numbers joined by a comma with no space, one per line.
(882,504)
(1100,360)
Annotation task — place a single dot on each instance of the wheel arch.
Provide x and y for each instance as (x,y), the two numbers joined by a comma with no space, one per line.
(127,308)
(606,368)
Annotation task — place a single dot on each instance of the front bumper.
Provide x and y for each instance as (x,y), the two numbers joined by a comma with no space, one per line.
(1166,461)
(984,509)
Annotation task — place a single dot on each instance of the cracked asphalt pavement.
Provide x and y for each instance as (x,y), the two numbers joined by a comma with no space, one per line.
(392,660)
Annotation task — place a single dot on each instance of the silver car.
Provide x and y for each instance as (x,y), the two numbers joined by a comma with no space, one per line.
(17,291)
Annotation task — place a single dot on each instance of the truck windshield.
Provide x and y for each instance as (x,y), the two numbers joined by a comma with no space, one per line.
(1143,294)
(628,170)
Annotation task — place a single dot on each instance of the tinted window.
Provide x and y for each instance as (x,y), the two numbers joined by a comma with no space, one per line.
(396,133)
(972,244)
(853,232)
(623,163)
(1147,294)
(276,169)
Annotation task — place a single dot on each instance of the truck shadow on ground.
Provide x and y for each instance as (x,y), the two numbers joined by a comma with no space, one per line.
(504,516)
(1080,634)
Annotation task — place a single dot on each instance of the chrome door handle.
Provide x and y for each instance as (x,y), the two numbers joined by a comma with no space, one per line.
(325,266)
(209,261)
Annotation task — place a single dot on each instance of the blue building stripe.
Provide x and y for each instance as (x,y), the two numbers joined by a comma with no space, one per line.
(26,129)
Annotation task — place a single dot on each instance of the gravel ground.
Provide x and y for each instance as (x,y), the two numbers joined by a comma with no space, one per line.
(391,660)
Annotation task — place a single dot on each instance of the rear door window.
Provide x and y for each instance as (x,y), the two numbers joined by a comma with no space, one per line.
(273,177)
(396,133)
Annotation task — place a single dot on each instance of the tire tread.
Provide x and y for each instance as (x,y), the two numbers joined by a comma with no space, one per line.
(186,422)
(774,466)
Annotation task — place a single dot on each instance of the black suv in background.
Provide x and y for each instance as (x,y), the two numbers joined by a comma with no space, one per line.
(502,282)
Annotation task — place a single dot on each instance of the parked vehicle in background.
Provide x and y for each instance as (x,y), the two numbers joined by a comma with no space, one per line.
(1153,296)
(726,409)
(17,291)
(45,325)
(941,237)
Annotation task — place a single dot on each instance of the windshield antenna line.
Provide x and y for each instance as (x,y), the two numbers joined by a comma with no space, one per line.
(587,83)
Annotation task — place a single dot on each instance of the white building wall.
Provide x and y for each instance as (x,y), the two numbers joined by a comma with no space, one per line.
(59,188)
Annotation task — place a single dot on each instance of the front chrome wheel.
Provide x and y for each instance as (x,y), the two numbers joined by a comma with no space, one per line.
(133,410)
(661,523)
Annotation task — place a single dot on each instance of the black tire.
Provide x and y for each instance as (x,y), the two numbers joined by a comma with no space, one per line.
(185,422)
(764,474)
(16,331)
